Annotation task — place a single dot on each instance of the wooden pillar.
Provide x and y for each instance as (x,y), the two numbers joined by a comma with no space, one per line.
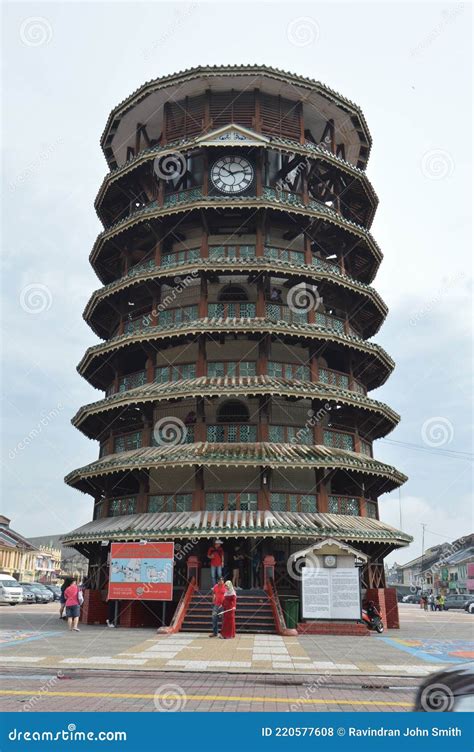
(142,498)
(201,364)
(308,255)
(260,307)
(313,365)
(264,350)
(202,306)
(150,368)
(164,134)
(362,507)
(200,426)
(158,253)
(323,501)
(198,492)
(264,491)
(263,418)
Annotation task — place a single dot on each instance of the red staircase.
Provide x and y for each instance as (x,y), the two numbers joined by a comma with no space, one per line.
(254,612)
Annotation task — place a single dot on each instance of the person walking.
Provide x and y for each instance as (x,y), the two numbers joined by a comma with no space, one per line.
(216,556)
(73,607)
(228,614)
(218,593)
(431,602)
(442,601)
(238,568)
(62,600)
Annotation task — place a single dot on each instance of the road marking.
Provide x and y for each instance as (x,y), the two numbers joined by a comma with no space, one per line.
(225,698)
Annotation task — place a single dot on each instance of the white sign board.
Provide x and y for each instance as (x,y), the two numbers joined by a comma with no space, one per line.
(331,593)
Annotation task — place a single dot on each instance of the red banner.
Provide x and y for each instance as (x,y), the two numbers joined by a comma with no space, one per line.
(141,571)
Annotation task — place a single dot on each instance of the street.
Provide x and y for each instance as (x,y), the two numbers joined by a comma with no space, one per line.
(46,668)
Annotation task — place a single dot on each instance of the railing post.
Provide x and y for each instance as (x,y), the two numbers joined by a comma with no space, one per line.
(268,570)
(194,570)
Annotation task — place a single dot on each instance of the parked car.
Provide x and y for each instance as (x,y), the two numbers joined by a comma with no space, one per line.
(56,591)
(449,690)
(45,590)
(28,594)
(411,599)
(454,600)
(42,595)
(469,602)
(11,591)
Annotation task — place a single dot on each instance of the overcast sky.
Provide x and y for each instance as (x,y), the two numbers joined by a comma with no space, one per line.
(65,65)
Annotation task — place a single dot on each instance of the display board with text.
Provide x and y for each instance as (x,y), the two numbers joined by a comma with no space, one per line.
(331,593)
(141,571)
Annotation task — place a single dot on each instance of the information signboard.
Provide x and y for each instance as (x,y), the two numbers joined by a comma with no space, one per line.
(141,571)
(331,593)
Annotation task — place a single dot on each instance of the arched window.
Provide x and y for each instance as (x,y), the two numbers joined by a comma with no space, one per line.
(233,411)
(232,294)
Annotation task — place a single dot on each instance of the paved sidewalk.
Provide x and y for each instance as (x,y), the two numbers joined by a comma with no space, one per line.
(41,640)
(148,691)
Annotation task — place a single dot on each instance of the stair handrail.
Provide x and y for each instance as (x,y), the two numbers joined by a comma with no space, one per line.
(181,610)
(277,610)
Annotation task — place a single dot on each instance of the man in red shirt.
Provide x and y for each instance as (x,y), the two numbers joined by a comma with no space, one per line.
(218,593)
(216,555)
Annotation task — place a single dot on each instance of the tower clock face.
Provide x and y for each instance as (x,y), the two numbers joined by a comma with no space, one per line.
(232,174)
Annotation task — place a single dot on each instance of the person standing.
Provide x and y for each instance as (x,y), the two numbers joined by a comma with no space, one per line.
(238,568)
(62,599)
(228,614)
(218,593)
(216,556)
(73,608)
(442,601)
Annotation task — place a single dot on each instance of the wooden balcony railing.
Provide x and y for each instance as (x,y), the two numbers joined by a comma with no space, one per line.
(343,505)
(232,433)
(229,310)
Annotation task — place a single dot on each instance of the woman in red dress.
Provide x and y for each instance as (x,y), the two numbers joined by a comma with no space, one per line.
(229,606)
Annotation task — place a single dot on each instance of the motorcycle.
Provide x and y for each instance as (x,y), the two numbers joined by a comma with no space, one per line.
(372,621)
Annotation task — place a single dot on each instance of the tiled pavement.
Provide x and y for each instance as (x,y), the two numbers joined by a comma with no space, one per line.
(171,691)
(43,642)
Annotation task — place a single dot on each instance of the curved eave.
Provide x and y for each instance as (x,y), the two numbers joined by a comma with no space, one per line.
(302,272)
(252,326)
(215,71)
(225,386)
(153,211)
(205,454)
(165,525)
(284,145)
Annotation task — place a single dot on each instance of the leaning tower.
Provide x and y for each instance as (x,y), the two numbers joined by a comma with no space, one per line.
(236,314)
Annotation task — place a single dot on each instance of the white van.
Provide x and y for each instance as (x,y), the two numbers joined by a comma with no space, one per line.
(11,591)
